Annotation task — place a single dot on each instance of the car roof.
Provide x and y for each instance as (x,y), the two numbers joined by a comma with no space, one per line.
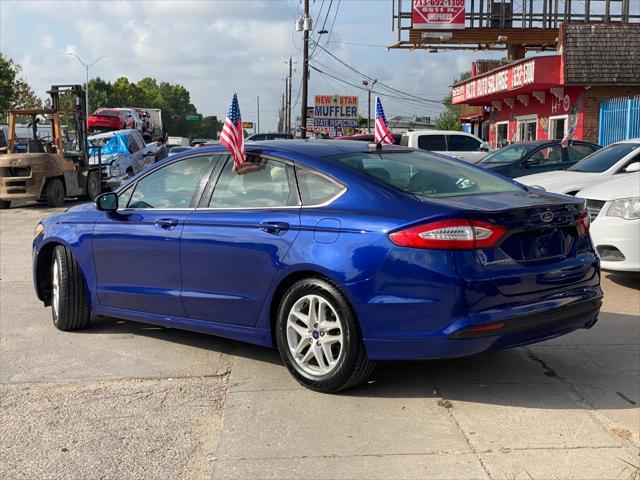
(309,148)
(438,132)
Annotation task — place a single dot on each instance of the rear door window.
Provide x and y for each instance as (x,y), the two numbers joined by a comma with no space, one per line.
(463,143)
(265,183)
(436,143)
(578,152)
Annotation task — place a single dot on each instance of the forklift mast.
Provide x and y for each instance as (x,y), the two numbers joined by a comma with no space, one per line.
(77,94)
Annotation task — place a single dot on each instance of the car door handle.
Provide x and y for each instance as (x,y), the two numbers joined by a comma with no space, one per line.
(275,228)
(166,223)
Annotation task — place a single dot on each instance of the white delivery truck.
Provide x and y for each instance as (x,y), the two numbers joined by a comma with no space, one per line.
(153,129)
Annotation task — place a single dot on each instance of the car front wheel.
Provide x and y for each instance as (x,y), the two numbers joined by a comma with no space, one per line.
(69,297)
(319,339)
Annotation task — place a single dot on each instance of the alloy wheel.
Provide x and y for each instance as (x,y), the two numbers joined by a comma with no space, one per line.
(315,335)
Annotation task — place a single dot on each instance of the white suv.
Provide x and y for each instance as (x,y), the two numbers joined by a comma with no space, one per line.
(460,145)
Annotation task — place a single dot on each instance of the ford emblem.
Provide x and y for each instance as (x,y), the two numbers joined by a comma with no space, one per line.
(546,217)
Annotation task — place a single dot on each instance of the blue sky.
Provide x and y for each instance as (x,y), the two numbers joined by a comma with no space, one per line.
(217,47)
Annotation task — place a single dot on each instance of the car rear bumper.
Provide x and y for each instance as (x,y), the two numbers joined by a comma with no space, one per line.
(464,337)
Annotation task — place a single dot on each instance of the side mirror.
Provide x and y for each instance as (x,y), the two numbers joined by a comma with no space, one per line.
(107,202)
(484,147)
(633,167)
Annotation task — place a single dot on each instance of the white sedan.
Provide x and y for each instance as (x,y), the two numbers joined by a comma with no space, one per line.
(600,166)
(614,208)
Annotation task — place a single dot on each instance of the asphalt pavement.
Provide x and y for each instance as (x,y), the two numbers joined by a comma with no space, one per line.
(123,400)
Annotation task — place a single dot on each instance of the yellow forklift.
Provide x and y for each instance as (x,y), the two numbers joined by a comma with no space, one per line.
(49,162)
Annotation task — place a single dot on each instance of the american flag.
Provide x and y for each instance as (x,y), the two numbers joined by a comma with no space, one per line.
(383,134)
(232,134)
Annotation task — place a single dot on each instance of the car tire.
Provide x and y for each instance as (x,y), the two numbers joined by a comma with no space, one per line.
(93,185)
(330,328)
(69,297)
(4,204)
(54,192)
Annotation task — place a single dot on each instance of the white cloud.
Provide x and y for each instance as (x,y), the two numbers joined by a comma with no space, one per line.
(213,48)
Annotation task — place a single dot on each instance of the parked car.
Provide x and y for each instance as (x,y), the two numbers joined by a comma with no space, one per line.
(455,144)
(615,215)
(123,154)
(199,141)
(600,166)
(178,142)
(370,137)
(313,250)
(527,158)
(174,150)
(105,119)
(268,136)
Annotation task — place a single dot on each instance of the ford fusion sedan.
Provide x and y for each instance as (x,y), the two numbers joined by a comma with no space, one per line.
(336,252)
(617,158)
(615,211)
(528,158)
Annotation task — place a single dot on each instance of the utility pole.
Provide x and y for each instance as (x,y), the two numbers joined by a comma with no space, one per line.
(305,67)
(258,123)
(289,96)
(369,88)
(285,106)
(283,116)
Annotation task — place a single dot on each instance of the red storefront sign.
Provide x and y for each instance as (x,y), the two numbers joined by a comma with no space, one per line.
(526,75)
(438,14)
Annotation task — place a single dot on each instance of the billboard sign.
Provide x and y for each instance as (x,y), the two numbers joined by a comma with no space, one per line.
(335,111)
(438,14)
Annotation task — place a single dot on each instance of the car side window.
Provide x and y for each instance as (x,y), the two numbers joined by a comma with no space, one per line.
(316,189)
(133,145)
(547,155)
(261,182)
(435,143)
(172,186)
(463,143)
(578,152)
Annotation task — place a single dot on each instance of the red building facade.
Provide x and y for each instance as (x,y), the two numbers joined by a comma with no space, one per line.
(552,96)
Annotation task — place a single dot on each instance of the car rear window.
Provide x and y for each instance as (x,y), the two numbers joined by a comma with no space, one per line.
(605,158)
(423,174)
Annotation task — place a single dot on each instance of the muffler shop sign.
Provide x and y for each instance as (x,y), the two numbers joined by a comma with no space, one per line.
(335,111)
(438,14)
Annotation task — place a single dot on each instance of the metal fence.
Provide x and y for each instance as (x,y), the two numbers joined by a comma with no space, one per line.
(619,120)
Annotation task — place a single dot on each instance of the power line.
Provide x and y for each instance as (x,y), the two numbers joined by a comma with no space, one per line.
(379,82)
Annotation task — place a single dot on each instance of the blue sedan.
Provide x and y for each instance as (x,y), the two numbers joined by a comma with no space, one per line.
(338,253)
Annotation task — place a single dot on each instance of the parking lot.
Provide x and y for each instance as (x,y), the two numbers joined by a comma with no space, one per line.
(126,400)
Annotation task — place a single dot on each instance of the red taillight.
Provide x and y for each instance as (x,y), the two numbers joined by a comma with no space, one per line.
(486,328)
(450,234)
(584,221)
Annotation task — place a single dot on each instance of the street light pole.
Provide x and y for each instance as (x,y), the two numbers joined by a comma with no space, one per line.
(86,66)
(369,89)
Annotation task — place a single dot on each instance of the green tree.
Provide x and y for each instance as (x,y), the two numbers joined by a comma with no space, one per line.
(449,119)
(15,92)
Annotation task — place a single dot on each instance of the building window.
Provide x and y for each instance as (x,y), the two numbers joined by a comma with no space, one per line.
(527,128)
(502,134)
(557,127)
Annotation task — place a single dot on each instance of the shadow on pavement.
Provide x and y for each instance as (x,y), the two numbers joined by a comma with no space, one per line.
(515,377)
(630,279)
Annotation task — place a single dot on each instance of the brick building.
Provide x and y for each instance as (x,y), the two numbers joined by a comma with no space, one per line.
(551,96)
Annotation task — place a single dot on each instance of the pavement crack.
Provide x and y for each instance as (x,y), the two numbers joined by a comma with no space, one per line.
(579,398)
(624,397)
